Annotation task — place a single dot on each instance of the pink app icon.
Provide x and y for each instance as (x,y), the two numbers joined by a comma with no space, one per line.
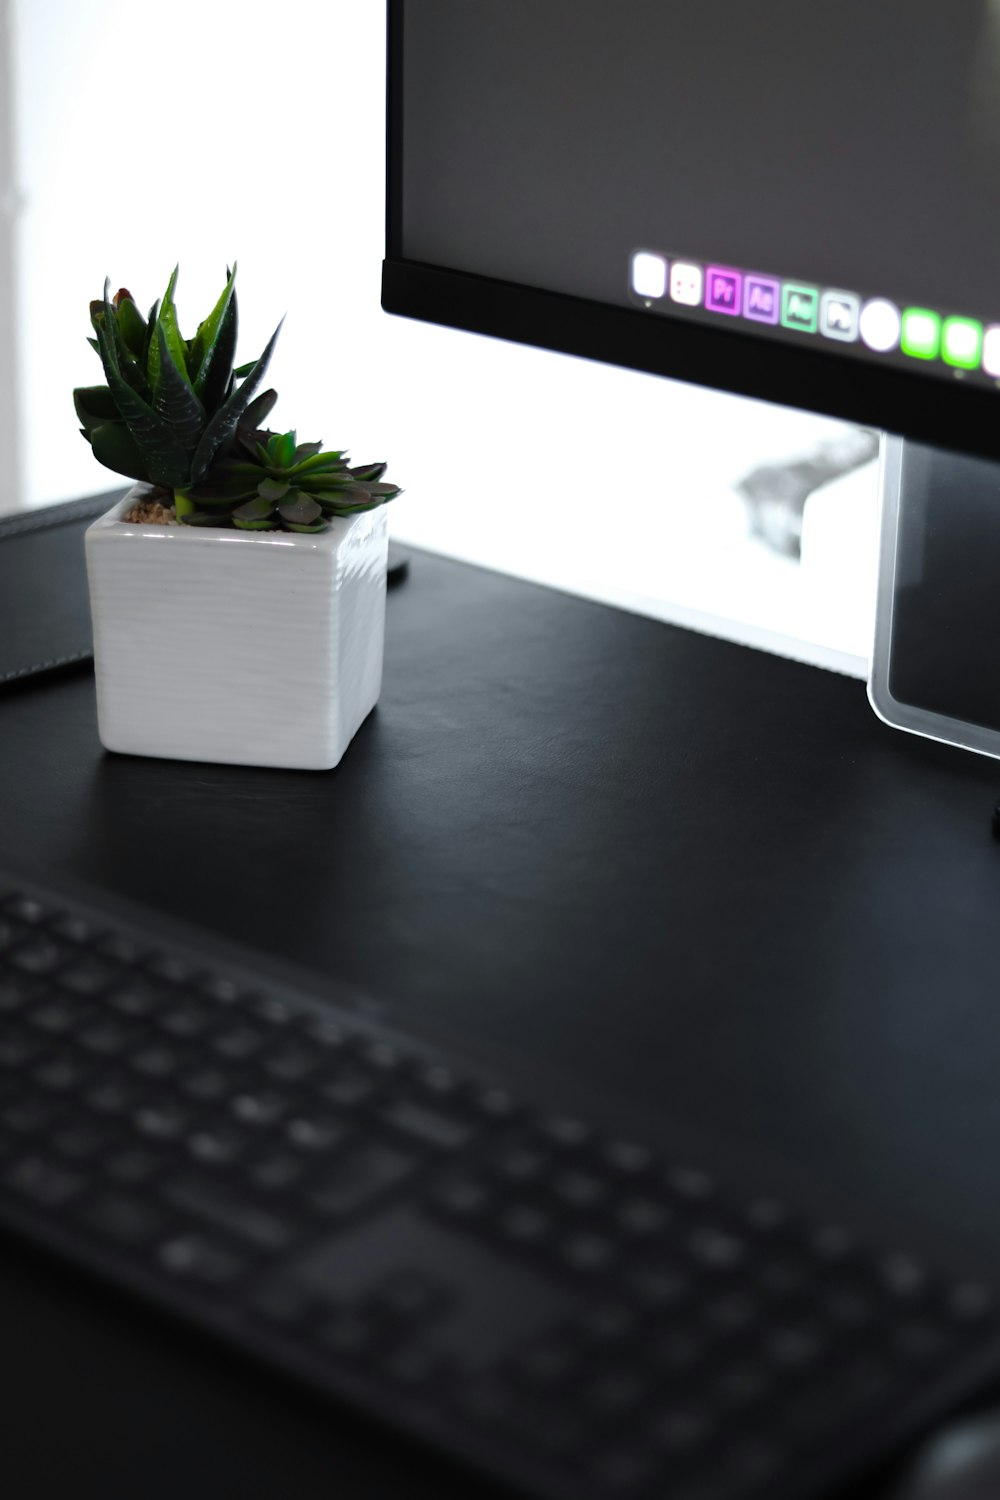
(722,290)
(761,299)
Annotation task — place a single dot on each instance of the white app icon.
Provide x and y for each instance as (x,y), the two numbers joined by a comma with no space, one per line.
(686,283)
(880,325)
(838,315)
(991,351)
(649,274)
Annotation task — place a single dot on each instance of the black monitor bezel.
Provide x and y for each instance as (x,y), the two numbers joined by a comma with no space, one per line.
(916,405)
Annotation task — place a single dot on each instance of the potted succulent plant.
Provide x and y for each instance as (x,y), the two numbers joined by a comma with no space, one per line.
(238,590)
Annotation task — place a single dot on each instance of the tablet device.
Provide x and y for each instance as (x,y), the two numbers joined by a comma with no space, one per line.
(935,665)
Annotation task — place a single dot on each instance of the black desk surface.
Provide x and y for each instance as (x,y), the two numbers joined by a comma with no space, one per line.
(672,868)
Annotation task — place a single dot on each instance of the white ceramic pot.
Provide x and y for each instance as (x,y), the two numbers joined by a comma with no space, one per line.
(260,648)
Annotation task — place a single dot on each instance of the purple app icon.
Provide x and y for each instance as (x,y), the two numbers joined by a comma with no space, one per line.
(722,290)
(761,299)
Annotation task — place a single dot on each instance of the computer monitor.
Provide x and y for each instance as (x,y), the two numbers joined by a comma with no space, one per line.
(793,202)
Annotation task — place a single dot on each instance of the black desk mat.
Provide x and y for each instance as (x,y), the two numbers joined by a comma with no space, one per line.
(669,866)
(44,606)
(683,872)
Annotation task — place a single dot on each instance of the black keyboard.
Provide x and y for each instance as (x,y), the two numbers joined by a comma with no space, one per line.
(567,1311)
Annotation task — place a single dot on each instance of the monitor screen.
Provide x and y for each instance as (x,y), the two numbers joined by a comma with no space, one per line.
(794,202)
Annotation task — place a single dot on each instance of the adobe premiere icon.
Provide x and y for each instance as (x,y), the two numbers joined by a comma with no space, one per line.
(724,290)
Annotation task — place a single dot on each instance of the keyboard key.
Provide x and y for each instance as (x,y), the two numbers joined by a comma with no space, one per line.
(259,1109)
(28,909)
(89,976)
(681,1428)
(134,1164)
(106,1038)
(580,1189)
(44,1183)
(627,1157)
(12,933)
(430,1127)
(16,991)
(276,1171)
(461,1197)
(40,955)
(410,1295)
(716,1251)
(315,1133)
(127,1220)
(29,1116)
(183,1021)
(290,1064)
(622,1471)
(207,1084)
(350,1088)
(223,1210)
(237,1042)
(565,1131)
(349,1335)
(136,997)
(62,1072)
(157,1061)
(80,1139)
(638,1217)
(193,1257)
(75,927)
(523,1224)
(217,1145)
(587,1253)
(171,968)
(161,1122)
(361,1177)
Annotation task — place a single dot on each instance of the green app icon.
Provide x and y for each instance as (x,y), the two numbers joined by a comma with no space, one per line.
(962,342)
(921,336)
(799,307)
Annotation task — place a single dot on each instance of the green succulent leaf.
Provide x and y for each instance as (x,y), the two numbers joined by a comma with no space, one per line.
(223,424)
(173,398)
(167,321)
(131,323)
(368,471)
(116,448)
(283,450)
(166,460)
(306,450)
(224,489)
(95,404)
(269,525)
(242,371)
(299,510)
(259,410)
(273,489)
(201,518)
(257,509)
(104,316)
(214,381)
(207,336)
(321,463)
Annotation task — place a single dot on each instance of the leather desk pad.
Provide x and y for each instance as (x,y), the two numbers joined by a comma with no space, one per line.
(43,588)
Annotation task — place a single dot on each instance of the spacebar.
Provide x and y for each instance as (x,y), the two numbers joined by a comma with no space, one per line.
(225,1211)
(488,1304)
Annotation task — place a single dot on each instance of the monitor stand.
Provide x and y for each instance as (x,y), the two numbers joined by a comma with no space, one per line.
(935,665)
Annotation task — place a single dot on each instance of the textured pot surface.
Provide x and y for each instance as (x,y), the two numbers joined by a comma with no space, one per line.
(255,648)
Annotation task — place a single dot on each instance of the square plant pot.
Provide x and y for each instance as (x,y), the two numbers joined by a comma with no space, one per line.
(259,648)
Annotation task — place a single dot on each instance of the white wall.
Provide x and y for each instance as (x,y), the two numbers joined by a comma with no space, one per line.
(10,478)
(204,130)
